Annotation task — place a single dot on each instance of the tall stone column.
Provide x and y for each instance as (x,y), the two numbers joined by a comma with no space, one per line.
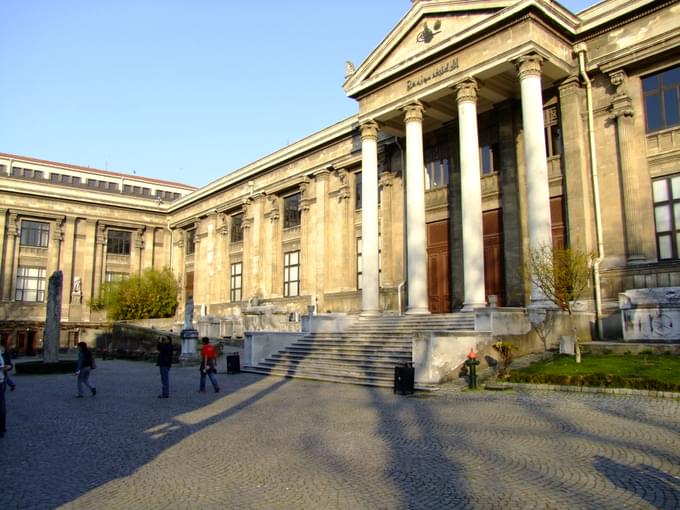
(273,252)
(3,241)
(535,164)
(416,239)
(622,113)
(473,234)
(370,289)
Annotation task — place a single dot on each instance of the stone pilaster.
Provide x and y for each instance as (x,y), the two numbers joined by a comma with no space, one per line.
(473,234)
(10,257)
(273,251)
(630,163)
(576,166)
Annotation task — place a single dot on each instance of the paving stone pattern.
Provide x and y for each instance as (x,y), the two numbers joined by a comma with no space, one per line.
(272,443)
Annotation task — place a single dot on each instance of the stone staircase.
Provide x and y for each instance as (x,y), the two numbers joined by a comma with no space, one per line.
(365,353)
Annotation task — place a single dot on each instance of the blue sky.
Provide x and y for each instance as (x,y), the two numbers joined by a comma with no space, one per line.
(186,91)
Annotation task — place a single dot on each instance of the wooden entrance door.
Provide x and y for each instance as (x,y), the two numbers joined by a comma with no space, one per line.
(494,276)
(438,272)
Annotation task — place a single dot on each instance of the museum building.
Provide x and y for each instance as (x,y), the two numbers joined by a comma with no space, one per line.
(485,129)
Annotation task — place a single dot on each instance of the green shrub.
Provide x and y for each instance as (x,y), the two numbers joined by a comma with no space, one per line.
(151,295)
(646,352)
(607,351)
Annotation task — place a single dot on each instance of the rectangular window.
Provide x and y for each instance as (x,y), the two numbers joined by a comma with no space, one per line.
(236,281)
(111,277)
(35,233)
(436,167)
(30,284)
(146,192)
(102,184)
(237,228)
(54,177)
(666,193)
(113,186)
(291,210)
(92,183)
(66,179)
(75,180)
(38,174)
(662,99)
(357,191)
(127,188)
(118,242)
(291,273)
(190,240)
(553,134)
(488,159)
(17,171)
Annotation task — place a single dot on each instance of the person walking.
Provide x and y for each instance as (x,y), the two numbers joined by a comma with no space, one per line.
(7,358)
(164,362)
(208,365)
(3,407)
(83,368)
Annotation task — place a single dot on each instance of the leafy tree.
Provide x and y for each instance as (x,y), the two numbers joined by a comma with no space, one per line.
(151,295)
(563,274)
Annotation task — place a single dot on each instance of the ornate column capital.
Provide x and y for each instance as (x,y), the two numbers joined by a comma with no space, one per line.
(344,188)
(222,224)
(13,225)
(369,130)
(273,212)
(139,238)
(101,234)
(466,91)
(413,112)
(58,234)
(386,179)
(529,65)
(622,106)
(618,79)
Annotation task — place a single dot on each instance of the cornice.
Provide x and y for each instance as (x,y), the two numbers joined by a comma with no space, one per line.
(360,82)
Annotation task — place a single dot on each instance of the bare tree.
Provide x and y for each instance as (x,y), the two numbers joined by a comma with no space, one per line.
(562,274)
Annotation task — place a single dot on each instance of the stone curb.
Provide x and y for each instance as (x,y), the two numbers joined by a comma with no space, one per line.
(593,389)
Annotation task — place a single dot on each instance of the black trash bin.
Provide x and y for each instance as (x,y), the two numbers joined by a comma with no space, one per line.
(404,379)
(233,363)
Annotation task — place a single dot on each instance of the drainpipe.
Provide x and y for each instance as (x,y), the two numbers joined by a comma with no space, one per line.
(581,50)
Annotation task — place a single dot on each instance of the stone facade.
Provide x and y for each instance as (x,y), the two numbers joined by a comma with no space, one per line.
(534,126)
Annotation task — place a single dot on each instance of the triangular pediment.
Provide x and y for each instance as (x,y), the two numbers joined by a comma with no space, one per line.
(427,29)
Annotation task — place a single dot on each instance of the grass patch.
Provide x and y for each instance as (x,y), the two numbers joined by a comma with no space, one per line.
(645,372)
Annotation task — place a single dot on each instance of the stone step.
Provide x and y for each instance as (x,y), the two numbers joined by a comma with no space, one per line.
(329,357)
(331,369)
(385,382)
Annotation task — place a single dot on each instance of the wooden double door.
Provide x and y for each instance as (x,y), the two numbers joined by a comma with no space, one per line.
(439,262)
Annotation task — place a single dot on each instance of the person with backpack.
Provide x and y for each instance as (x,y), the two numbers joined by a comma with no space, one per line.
(3,408)
(164,362)
(208,365)
(85,365)
(7,359)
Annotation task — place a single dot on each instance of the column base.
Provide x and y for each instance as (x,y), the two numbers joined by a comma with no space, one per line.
(417,310)
(369,313)
(470,307)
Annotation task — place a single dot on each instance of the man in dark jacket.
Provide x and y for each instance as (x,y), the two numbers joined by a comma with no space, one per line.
(164,362)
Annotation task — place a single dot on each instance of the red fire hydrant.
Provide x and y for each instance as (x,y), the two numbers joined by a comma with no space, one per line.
(471,363)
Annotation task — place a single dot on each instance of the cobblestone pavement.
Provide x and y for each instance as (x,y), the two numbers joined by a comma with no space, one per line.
(266,442)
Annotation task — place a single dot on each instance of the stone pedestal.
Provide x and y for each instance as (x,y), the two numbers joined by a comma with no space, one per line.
(189,338)
(650,314)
